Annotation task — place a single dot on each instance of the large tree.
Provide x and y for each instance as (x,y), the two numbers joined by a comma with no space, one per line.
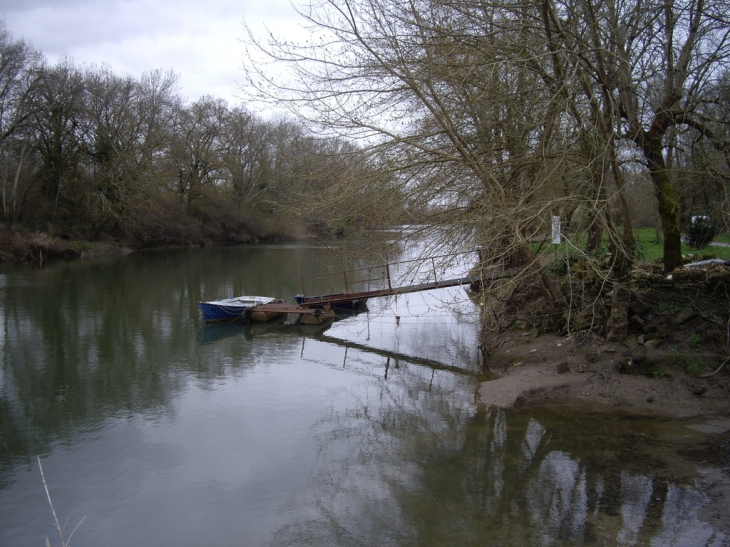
(649,67)
(447,99)
(502,111)
(127,121)
(21,71)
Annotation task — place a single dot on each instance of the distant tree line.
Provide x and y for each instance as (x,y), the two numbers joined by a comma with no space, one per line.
(86,153)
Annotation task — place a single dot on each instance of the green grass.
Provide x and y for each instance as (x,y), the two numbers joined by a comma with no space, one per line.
(723,238)
(694,366)
(646,239)
(654,250)
(695,341)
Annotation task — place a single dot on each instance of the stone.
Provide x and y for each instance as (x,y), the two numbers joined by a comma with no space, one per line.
(617,324)
(534,332)
(653,344)
(631,342)
(563,367)
(608,347)
(639,308)
(638,355)
(636,323)
(684,316)
(640,339)
(625,364)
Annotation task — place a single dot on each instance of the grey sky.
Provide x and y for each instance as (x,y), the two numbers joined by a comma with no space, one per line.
(199,40)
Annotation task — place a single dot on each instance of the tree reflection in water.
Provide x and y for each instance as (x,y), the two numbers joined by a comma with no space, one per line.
(415,463)
(404,456)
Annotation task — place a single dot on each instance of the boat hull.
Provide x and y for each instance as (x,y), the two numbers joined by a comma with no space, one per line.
(264,316)
(241,308)
(324,316)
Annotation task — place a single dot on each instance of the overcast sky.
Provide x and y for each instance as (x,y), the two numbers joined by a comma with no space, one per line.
(198,39)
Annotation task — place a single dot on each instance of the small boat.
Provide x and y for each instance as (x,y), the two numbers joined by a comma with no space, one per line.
(240,308)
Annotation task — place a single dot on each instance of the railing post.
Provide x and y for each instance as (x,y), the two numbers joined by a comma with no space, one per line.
(435,275)
(347,288)
(387,274)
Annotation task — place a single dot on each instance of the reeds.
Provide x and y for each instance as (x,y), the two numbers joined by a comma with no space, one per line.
(64,542)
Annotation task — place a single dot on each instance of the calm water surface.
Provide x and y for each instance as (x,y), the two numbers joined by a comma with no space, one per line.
(158,430)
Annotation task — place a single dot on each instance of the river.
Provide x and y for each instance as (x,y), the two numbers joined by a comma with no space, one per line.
(154,429)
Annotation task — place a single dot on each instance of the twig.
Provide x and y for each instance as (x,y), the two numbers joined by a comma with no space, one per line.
(64,542)
(718,369)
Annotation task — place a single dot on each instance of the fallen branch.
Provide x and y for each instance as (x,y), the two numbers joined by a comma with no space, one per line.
(718,369)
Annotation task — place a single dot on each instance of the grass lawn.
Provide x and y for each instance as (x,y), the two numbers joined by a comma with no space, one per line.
(724,238)
(646,239)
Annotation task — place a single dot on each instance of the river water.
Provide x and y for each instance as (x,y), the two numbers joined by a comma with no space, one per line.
(154,429)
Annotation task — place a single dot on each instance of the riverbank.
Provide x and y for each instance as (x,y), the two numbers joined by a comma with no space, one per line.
(587,373)
(657,344)
(22,246)
(584,370)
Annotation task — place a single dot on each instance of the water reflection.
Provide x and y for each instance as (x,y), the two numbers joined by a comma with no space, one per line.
(160,430)
(82,338)
(286,325)
(493,478)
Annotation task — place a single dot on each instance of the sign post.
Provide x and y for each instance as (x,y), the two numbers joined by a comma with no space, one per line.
(557,239)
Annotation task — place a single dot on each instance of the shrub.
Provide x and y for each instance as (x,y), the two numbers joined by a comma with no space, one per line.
(701,231)
(564,259)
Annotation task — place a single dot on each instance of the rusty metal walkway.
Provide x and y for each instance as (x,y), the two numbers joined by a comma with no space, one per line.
(353,287)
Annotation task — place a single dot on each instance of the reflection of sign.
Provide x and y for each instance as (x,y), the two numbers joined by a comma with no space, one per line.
(556,230)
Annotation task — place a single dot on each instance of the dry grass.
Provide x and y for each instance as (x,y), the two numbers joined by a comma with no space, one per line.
(65,542)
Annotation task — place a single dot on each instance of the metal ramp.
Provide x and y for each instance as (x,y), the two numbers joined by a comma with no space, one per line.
(356,286)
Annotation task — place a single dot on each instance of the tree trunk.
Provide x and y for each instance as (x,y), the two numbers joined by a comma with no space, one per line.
(595,235)
(668,206)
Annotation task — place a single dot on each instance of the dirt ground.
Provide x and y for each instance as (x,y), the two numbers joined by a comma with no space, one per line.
(537,369)
(655,344)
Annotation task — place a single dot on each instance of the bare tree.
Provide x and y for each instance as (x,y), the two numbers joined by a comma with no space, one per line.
(20,75)
(244,156)
(59,133)
(193,148)
(648,65)
(126,121)
(448,103)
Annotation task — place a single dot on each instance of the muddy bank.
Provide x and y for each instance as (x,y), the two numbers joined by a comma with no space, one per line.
(585,370)
(651,344)
(588,373)
(20,246)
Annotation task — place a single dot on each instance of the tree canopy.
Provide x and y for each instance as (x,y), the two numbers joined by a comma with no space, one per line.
(493,116)
(85,151)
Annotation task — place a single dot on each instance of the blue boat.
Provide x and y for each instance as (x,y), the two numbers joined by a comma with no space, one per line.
(239,308)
